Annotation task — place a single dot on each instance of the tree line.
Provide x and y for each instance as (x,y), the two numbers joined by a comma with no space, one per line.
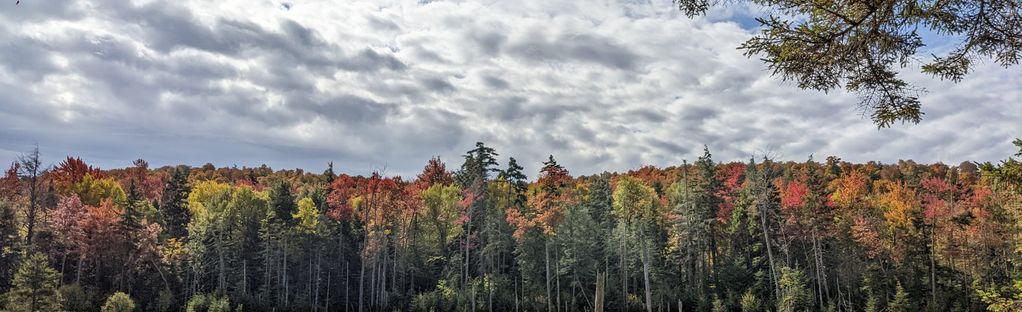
(761,235)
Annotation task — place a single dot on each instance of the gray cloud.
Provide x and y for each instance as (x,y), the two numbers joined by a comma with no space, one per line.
(575,47)
(375,85)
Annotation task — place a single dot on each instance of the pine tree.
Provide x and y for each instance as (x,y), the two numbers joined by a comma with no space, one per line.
(328,174)
(707,203)
(8,244)
(173,205)
(900,303)
(794,295)
(36,287)
(282,201)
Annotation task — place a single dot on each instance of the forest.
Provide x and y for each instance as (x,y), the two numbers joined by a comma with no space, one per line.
(480,235)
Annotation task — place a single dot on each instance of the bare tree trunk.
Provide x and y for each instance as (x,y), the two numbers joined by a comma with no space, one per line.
(383,277)
(822,266)
(933,275)
(624,277)
(372,282)
(557,277)
(361,284)
(770,253)
(347,285)
(287,289)
(516,294)
(63,261)
(78,275)
(221,275)
(601,281)
(645,277)
(269,268)
(546,257)
(326,301)
(319,272)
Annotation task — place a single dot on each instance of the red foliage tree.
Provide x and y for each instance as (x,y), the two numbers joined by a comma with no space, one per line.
(72,170)
(10,184)
(732,176)
(435,172)
(149,185)
(342,190)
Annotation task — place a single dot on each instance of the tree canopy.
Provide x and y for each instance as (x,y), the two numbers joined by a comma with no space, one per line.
(759,235)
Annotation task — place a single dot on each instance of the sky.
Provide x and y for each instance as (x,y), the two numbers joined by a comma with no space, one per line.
(602,85)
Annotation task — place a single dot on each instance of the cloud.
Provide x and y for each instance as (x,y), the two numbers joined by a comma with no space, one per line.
(537,48)
(385,85)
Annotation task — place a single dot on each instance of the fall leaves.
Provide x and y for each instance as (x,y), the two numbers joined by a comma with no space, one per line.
(382,241)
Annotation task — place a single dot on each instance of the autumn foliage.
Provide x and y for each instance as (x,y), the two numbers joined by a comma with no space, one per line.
(832,236)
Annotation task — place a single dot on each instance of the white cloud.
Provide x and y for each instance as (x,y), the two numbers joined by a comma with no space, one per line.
(601,85)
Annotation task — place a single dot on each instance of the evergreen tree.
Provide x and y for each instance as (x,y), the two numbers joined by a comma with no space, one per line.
(861,45)
(173,205)
(8,244)
(328,174)
(794,293)
(36,287)
(872,303)
(694,198)
(132,217)
(479,163)
(282,201)
(474,177)
(515,177)
(900,303)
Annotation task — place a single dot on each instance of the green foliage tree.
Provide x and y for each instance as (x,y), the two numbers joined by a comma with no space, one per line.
(173,204)
(77,298)
(307,216)
(8,243)
(861,45)
(282,200)
(996,302)
(794,295)
(92,190)
(636,205)
(749,302)
(872,303)
(36,287)
(900,302)
(440,211)
(210,303)
(118,302)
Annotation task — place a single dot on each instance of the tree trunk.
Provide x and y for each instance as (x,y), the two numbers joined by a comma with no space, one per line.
(770,253)
(287,289)
(347,284)
(78,275)
(546,257)
(624,277)
(600,284)
(557,277)
(933,275)
(361,284)
(645,277)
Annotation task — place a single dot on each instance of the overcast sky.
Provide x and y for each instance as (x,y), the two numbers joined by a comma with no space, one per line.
(385,85)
